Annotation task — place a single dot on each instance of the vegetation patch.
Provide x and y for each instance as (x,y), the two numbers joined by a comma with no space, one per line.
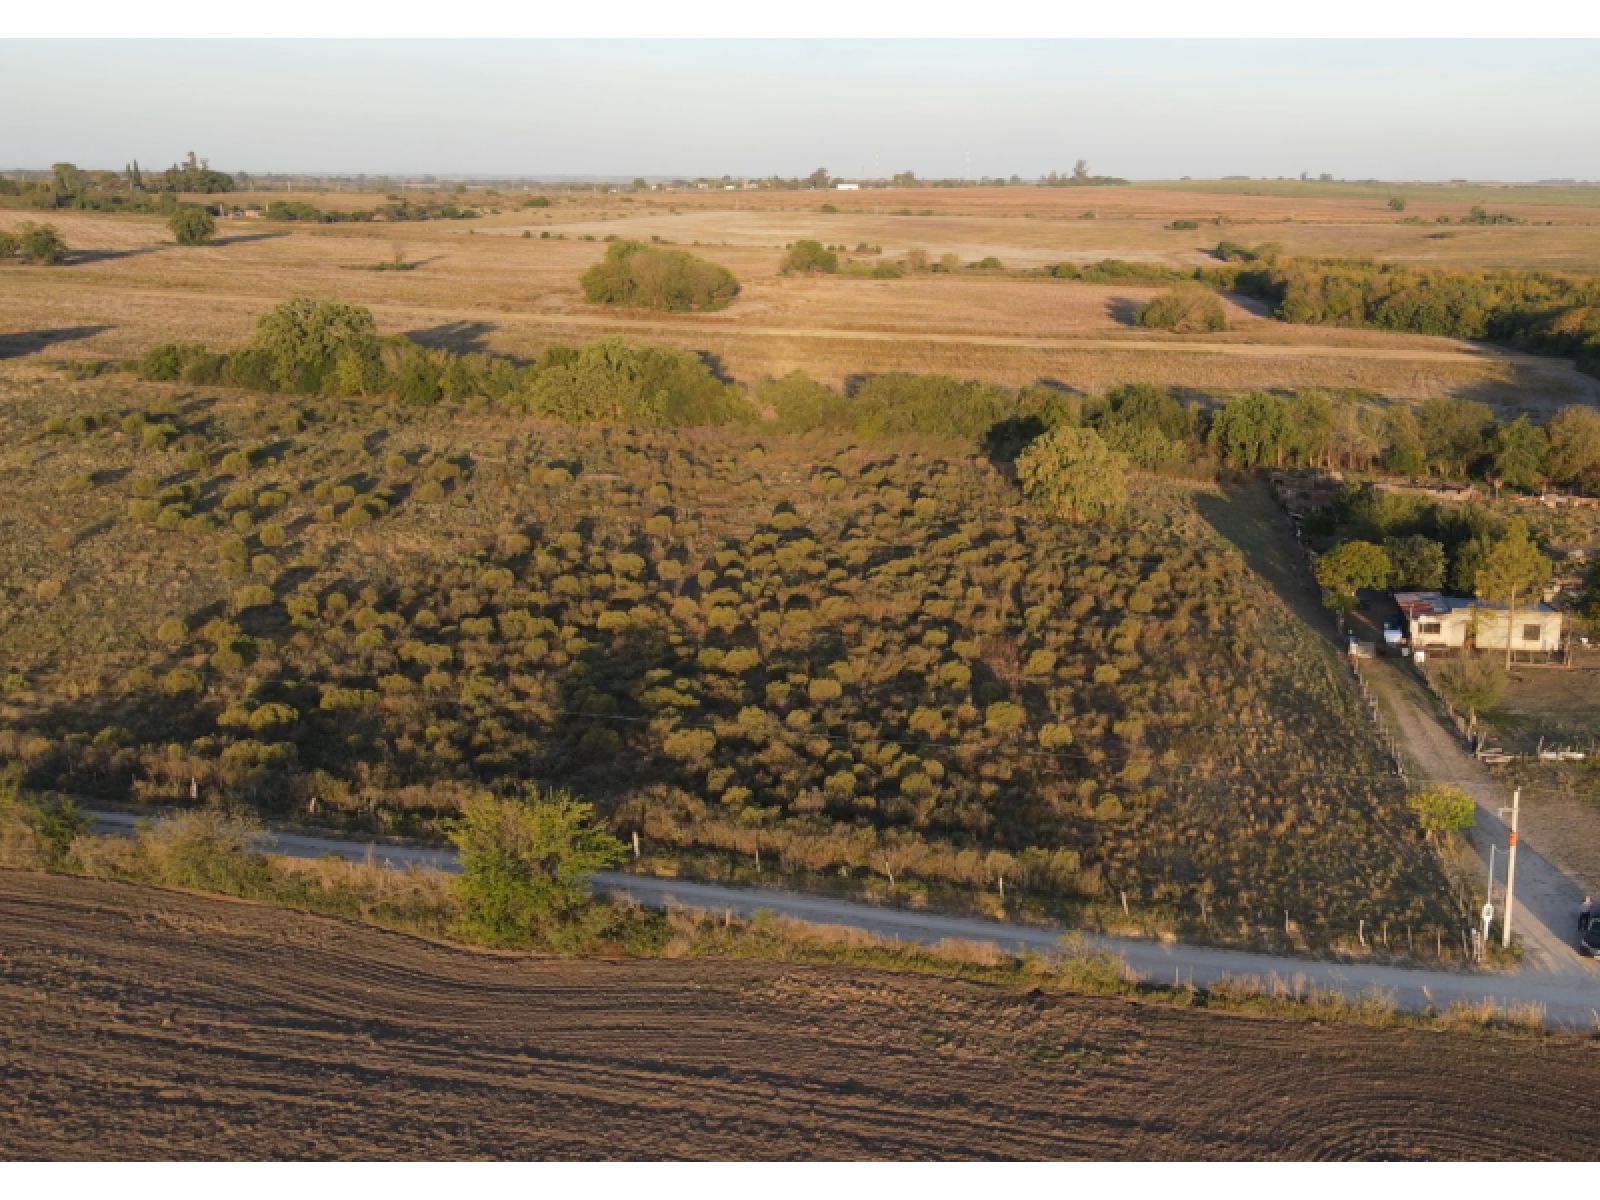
(636,275)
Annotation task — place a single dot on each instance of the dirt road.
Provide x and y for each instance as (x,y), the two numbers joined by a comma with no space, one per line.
(136,1023)
(1570,999)
(1547,899)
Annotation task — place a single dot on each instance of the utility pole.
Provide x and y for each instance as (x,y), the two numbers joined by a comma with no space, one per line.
(1511,867)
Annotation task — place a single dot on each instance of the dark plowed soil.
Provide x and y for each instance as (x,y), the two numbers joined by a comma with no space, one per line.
(137,1023)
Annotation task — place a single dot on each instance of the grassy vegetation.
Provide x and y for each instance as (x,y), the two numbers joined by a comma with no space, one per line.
(875,662)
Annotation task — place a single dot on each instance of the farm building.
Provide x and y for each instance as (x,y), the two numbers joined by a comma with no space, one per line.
(1433,619)
(847,187)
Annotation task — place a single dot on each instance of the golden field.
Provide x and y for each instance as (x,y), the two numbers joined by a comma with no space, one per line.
(482,284)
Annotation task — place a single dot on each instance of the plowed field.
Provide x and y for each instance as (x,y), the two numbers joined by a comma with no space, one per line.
(138,1023)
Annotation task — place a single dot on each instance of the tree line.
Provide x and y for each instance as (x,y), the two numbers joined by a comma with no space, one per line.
(308,346)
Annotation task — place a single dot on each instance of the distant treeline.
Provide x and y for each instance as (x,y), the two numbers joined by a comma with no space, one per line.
(129,190)
(1539,311)
(133,190)
(311,346)
(397,209)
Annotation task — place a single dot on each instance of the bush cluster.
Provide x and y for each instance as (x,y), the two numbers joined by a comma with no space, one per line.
(637,275)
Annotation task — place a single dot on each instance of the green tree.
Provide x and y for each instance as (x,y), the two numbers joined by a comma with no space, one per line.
(1519,453)
(1186,308)
(192,225)
(1574,440)
(1406,454)
(1145,422)
(809,256)
(526,862)
(69,181)
(1442,809)
(40,244)
(1513,569)
(1417,562)
(301,340)
(1455,433)
(1252,430)
(641,276)
(1349,567)
(1074,474)
(818,178)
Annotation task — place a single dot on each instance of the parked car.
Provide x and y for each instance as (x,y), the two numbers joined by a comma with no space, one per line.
(1589,935)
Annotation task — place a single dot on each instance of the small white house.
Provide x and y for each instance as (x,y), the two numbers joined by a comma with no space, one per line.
(847,187)
(1459,622)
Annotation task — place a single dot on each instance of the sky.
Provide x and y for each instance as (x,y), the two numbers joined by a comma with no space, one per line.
(1138,109)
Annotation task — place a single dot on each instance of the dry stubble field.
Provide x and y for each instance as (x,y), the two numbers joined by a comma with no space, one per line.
(140,1023)
(481,285)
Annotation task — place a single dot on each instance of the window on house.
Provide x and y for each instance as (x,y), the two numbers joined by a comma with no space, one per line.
(1430,627)
(1530,633)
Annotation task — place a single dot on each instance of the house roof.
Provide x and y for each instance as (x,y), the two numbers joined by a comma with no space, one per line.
(1436,604)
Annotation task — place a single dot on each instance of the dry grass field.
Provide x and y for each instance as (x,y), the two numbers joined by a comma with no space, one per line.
(148,1024)
(480,284)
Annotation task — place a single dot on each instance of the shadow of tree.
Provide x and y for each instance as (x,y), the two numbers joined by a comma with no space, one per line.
(459,337)
(16,345)
(78,258)
(239,239)
(1124,310)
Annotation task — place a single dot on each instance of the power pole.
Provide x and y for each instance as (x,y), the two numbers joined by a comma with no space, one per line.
(1511,867)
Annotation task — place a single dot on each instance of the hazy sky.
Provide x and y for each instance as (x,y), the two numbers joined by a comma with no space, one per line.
(1426,110)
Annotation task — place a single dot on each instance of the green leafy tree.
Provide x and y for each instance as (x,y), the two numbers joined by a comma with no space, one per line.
(1574,455)
(1519,454)
(302,340)
(1252,430)
(192,225)
(40,244)
(1455,433)
(810,257)
(640,276)
(1443,809)
(1513,569)
(1073,473)
(1406,453)
(1186,308)
(1349,567)
(1418,562)
(526,862)
(1145,422)
(1589,598)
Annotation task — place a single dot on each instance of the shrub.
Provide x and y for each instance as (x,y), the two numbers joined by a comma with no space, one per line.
(641,276)
(613,381)
(526,862)
(1473,683)
(40,244)
(1074,474)
(36,832)
(208,851)
(809,256)
(1443,809)
(192,225)
(1187,308)
(301,340)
